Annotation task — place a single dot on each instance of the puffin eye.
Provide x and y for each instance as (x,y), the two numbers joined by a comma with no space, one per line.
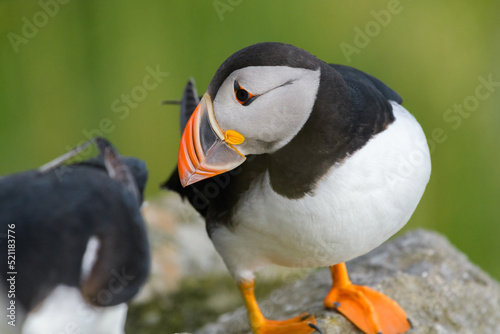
(242,96)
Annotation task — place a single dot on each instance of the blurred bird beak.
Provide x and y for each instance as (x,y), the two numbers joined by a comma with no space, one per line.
(206,149)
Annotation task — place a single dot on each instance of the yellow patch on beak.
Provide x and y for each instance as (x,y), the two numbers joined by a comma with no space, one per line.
(233,137)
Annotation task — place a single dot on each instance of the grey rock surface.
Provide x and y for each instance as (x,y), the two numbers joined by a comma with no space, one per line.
(441,291)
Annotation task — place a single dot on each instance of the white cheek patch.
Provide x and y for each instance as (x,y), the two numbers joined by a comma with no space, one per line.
(285,98)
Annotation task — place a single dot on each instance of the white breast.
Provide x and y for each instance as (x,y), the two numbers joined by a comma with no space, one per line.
(65,311)
(357,206)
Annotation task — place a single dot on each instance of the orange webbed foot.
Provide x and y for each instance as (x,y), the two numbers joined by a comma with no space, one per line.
(369,310)
(302,324)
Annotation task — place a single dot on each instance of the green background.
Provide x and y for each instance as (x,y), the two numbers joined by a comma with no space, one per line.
(63,80)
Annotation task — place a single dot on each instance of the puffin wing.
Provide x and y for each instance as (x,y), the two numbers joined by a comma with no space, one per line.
(371,103)
(363,85)
(189,102)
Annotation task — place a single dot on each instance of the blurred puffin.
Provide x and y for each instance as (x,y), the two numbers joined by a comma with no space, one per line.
(81,248)
(300,163)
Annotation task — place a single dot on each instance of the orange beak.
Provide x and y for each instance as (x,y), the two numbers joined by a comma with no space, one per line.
(206,149)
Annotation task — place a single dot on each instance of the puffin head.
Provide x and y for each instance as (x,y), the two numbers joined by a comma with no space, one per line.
(257,101)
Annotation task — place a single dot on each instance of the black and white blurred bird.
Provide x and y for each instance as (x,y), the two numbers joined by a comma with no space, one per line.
(300,163)
(81,247)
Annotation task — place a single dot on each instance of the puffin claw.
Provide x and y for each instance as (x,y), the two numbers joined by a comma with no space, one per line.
(305,316)
(409,321)
(336,304)
(313,326)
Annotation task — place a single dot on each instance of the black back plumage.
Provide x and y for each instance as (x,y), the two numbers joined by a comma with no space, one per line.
(56,212)
(370,102)
(350,108)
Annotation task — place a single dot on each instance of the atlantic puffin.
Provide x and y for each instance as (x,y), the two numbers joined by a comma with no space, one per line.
(81,249)
(300,163)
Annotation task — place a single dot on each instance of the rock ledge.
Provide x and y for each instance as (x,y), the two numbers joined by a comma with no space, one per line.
(441,291)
